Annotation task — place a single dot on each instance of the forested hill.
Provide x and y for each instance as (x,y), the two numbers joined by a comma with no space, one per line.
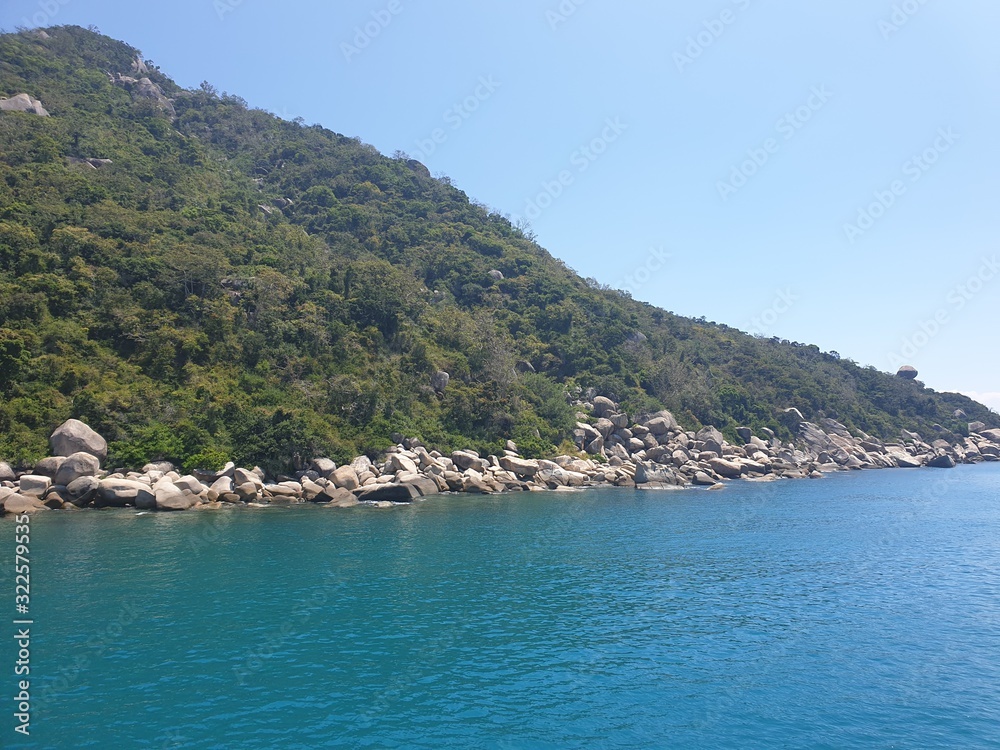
(199,280)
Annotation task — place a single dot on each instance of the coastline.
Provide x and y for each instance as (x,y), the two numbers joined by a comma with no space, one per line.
(650,452)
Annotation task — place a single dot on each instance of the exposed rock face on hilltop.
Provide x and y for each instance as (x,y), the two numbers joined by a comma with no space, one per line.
(23,103)
(906,372)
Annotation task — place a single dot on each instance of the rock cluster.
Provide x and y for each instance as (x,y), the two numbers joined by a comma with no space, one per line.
(144,88)
(650,452)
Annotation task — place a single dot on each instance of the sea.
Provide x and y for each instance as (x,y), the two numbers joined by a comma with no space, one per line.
(861,610)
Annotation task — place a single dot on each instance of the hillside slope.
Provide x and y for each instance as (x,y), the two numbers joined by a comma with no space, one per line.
(231,285)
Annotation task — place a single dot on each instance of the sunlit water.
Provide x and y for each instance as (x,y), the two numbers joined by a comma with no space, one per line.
(860,611)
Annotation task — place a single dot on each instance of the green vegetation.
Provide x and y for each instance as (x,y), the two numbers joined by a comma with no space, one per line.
(234,285)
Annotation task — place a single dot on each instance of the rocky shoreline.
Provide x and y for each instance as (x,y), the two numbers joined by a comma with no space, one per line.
(649,452)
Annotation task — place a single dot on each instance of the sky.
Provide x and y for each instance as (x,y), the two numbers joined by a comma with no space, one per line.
(824,172)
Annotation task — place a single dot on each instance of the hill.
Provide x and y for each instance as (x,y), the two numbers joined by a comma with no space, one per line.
(200,280)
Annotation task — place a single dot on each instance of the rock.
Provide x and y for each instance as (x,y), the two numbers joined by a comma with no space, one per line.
(711,435)
(248,492)
(906,372)
(48,467)
(745,434)
(7,474)
(942,461)
(34,485)
(703,479)
(163,467)
(649,473)
(905,460)
(521,467)
(476,485)
(391,492)
(82,491)
(323,466)
(169,497)
(440,380)
(242,476)
(397,462)
(992,435)
(345,478)
(604,406)
(18,504)
(119,493)
(425,486)
(73,436)
(221,486)
(23,103)
(191,484)
(338,497)
(728,469)
(976,426)
(495,275)
(469,460)
(76,466)
(658,426)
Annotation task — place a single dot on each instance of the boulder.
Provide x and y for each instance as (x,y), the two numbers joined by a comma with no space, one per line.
(337,496)
(440,380)
(992,435)
(469,460)
(17,504)
(82,491)
(976,426)
(703,479)
(76,466)
(171,498)
(710,434)
(119,493)
(942,461)
(729,469)
(7,474)
(397,462)
(521,467)
(23,103)
(48,467)
(907,372)
(323,466)
(390,492)
(653,474)
(604,406)
(425,485)
(34,485)
(745,434)
(345,478)
(905,460)
(73,436)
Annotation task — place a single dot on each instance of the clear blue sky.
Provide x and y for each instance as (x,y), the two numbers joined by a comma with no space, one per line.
(829,107)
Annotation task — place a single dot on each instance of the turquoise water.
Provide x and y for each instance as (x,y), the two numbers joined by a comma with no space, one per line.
(860,611)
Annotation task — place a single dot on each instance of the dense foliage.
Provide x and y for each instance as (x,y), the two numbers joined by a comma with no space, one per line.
(234,285)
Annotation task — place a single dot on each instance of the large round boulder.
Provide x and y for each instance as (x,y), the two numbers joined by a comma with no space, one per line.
(73,436)
(907,372)
(76,466)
